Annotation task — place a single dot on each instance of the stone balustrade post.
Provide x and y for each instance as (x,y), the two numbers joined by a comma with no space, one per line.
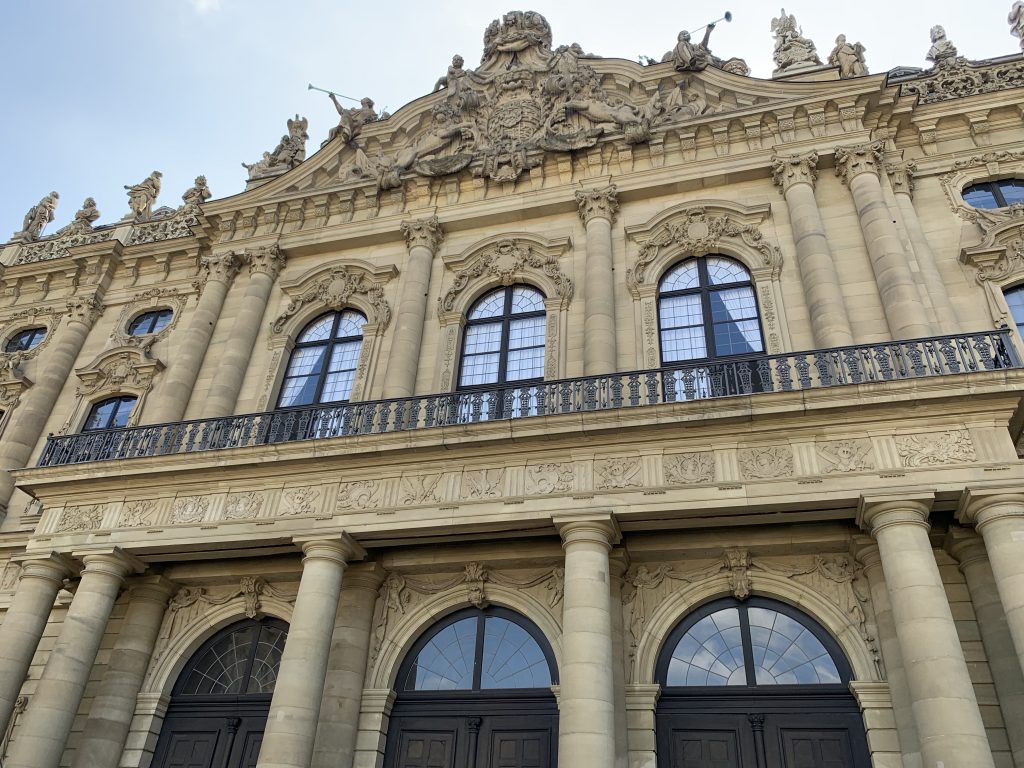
(265,264)
(47,722)
(969,550)
(111,712)
(858,167)
(422,238)
(598,208)
(586,722)
(295,707)
(999,518)
(796,175)
(346,667)
(949,724)
(902,705)
(901,178)
(24,622)
(180,377)
(37,402)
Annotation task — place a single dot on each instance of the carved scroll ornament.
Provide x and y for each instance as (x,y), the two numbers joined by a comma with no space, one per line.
(335,289)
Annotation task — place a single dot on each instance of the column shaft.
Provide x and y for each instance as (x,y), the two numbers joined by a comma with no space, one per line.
(949,723)
(47,722)
(298,694)
(422,238)
(586,726)
(23,625)
(111,712)
(180,377)
(597,209)
(264,266)
(346,668)
(29,419)
(901,301)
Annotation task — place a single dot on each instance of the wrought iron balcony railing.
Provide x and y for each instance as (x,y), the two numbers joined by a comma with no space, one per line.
(886,361)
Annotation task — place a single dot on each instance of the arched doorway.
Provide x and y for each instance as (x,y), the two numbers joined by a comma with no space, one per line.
(220,701)
(475,692)
(756,683)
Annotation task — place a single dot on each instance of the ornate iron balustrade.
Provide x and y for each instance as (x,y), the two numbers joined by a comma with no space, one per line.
(841,366)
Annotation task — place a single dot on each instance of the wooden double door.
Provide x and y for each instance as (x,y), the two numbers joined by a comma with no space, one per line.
(439,735)
(224,734)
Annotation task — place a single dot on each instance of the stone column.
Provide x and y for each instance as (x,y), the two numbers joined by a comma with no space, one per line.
(29,420)
(295,707)
(111,712)
(858,167)
(46,724)
(901,178)
(23,625)
(796,174)
(346,668)
(597,209)
(618,563)
(586,723)
(422,238)
(949,724)
(180,377)
(902,705)
(969,550)
(999,518)
(265,264)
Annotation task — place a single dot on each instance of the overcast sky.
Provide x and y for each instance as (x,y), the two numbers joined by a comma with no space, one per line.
(98,94)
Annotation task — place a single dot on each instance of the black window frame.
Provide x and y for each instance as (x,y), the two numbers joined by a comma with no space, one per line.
(1019,288)
(37,334)
(150,317)
(329,344)
(992,186)
(121,399)
(505,318)
(704,289)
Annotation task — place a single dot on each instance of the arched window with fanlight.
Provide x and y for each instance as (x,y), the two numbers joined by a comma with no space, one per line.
(999,193)
(503,344)
(322,365)
(757,682)
(112,413)
(1015,301)
(476,685)
(710,329)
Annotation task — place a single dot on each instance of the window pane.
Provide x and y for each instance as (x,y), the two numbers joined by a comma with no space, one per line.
(681,277)
(161,320)
(1015,300)
(268,660)
(100,415)
(526,299)
(491,305)
(222,667)
(150,322)
(479,369)
(722,271)
(526,333)
(483,338)
(446,661)
(525,364)
(732,304)
(738,338)
(786,652)
(337,386)
(710,653)
(683,344)
(300,390)
(306,361)
(511,657)
(318,330)
(345,356)
(1013,190)
(681,311)
(350,324)
(122,412)
(25,340)
(980,196)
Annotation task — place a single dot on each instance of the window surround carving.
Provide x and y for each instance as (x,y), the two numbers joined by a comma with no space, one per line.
(332,287)
(998,262)
(503,260)
(148,301)
(122,370)
(22,320)
(989,166)
(701,228)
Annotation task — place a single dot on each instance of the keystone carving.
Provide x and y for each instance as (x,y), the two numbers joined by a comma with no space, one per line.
(119,369)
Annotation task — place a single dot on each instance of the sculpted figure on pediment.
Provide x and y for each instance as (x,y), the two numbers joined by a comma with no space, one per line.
(849,58)
(684,102)
(519,39)
(289,152)
(38,216)
(84,218)
(942,53)
(198,193)
(141,196)
(1016,21)
(352,119)
(792,49)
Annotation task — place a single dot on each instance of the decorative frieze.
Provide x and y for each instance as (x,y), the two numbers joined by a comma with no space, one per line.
(853,455)
(9,576)
(617,473)
(962,79)
(243,506)
(80,519)
(300,502)
(190,509)
(419,489)
(482,483)
(765,463)
(550,477)
(137,514)
(689,468)
(361,494)
(935,449)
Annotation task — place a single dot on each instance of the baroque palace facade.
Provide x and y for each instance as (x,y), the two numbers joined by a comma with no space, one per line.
(581,413)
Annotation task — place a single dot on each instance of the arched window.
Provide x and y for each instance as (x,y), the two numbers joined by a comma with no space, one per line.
(756,682)
(150,322)
(474,688)
(323,364)
(112,413)
(25,340)
(1015,301)
(220,702)
(504,338)
(1001,193)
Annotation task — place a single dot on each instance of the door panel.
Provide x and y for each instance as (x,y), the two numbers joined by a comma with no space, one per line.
(247,747)
(816,749)
(705,749)
(426,749)
(519,749)
(187,747)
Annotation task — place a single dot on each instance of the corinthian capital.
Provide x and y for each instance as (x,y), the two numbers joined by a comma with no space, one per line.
(598,203)
(901,176)
(423,233)
(267,260)
(857,159)
(221,268)
(798,168)
(84,310)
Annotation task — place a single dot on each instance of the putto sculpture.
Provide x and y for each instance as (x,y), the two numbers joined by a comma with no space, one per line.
(942,53)
(849,58)
(141,197)
(1016,21)
(197,194)
(793,51)
(288,153)
(38,216)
